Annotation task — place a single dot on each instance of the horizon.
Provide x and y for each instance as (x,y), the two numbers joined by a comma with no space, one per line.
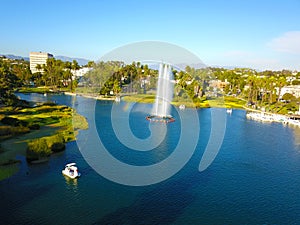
(257,35)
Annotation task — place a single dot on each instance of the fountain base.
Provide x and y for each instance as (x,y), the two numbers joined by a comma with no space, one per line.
(160,119)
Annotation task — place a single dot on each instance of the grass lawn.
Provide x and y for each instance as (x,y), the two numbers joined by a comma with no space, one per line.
(141,98)
(221,102)
(41,90)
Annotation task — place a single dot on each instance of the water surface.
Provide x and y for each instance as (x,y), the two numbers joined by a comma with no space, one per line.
(254,179)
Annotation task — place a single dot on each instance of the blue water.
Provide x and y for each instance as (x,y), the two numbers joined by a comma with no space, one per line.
(254,179)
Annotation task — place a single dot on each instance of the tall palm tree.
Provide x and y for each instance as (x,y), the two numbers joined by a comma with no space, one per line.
(251,83)
(281,82)
(271,86)
(75,66)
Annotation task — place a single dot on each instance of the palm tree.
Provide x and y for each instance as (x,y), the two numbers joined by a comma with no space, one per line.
(281,82)
(49,70)
(251,83)
(91,64)
(75,66)
(38,67)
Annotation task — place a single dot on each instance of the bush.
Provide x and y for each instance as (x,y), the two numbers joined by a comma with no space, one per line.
(37,148)
(44,147)
(10,121)
(34,126)
(58,138)
(58,147)
(14,122)
(8,130)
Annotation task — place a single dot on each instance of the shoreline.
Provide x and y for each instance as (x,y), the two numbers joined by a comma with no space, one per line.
(93,96)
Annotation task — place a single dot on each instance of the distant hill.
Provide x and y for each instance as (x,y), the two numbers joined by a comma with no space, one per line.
(10,56)
(80,61)
(192,65)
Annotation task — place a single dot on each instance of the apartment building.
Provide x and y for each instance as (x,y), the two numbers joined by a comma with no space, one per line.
(38,58)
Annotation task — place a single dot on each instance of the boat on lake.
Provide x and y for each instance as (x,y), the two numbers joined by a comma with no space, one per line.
(71,171)
(182,107)
(229,111)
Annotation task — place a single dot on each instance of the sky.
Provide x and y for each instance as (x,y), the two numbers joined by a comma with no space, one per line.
(260,34)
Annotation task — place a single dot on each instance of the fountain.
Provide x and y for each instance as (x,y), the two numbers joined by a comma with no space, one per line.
(164,95)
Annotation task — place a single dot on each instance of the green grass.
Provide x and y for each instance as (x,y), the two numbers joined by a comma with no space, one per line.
(142,98)
(40,90)
(226,102)
(55,122)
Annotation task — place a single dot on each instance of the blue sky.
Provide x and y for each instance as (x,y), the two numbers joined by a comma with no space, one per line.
(254,33)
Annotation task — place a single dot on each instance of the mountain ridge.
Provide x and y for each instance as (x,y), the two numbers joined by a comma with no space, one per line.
(81,61)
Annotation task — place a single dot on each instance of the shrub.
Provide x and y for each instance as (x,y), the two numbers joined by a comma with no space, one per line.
(8,130)
(10,121)
(34,126)
(58,138)
(58,147)
(37,148)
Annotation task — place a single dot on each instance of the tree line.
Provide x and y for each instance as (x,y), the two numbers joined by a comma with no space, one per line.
(55,73)
(114,77)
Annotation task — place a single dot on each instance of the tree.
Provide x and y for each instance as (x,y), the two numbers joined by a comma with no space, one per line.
(288,97)
(49,71)
(91,64)
(8,82)
(271,83)
(251,83)
(281,82)
(68,74)
(116,88)
(75,67)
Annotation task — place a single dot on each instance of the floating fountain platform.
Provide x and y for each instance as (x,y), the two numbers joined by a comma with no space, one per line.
(160,119)
(165,85)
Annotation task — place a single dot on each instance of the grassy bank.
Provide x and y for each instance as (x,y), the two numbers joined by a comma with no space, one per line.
(35,132)
(141,98)
(41,90)
(223,102)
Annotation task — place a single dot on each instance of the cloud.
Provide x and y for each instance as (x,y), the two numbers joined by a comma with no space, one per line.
(289,42)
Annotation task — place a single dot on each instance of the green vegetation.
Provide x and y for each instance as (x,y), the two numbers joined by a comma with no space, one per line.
(142,98)
(56,74)
(15,74)
(48,127)
(193,87)
(206,87)
(44,147)
(227,102)
(224,102)
(8,170)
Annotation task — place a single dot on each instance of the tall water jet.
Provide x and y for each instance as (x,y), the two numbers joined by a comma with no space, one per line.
(164,95)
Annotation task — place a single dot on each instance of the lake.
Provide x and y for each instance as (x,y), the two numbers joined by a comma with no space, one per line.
(254,178)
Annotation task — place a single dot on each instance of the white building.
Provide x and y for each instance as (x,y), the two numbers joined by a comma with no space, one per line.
(82,71)
(292,89)
(38,58)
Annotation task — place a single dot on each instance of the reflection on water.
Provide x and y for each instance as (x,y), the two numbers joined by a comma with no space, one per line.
(296,131)
(253,180)
(71,184)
